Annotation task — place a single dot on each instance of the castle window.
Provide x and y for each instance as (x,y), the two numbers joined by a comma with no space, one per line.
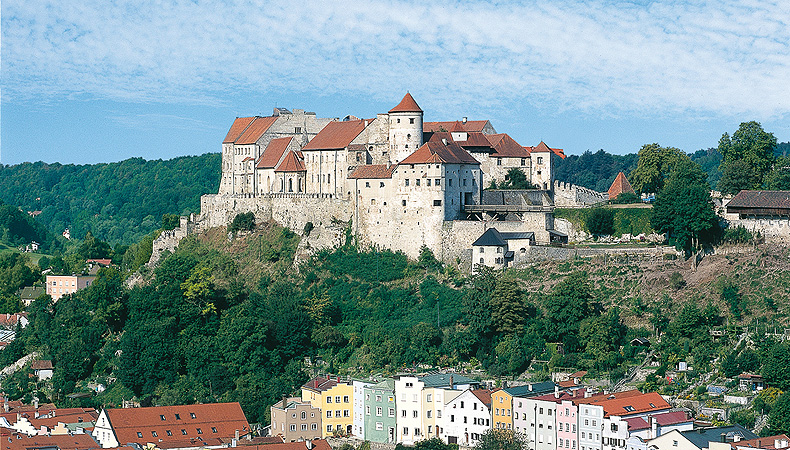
(450,182)
(436,182)
(499,161)
(411,120)
(407,181)
(408,136)
(297,129)
(406,146)
(540,160)
(437,203)
(464,181)
(482,250)
(403,202)
(381,184)
(417,181)
(367,184)
(499,249)
(523,161)
(372,201)
(328,178)
(398,120)
(428,181)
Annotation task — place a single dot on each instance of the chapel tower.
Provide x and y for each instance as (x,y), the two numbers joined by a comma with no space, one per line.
(405,128)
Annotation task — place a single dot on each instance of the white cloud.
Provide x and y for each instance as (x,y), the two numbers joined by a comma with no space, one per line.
(596,57)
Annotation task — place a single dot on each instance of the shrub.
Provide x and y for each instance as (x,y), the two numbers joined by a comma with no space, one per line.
(242,222)
(600,222)
(626,197)
(676,281)
(308,227)
(737,235)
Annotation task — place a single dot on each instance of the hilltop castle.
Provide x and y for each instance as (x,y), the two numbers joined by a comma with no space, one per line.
(401,182)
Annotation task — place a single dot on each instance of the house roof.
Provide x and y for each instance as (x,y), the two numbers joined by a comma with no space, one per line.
(704,436)
(238,127)
(750,376)
(474,140)
(19,441)
(102,262)
(41,364)
(491,237)
(636,423)
(530,390)
(291,163)
(11,320)
(317,444)
(508,235)
(671,418)
(469,125)
(542,147)
(273,153)
(505,147)
(337,135)
(766,443)
(774,200)
(320,384)
(226,418)
(373,171)
(439,152)
(651,401)
(31,292)
(255,130)
(406,105)
(620,185)
(434,380)
(484,395)
(595,399)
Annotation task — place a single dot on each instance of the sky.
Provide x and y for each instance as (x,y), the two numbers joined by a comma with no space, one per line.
(92,81)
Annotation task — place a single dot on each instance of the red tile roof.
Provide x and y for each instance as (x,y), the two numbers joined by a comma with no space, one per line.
(505,147)
(636,423)
(620,185)
(17,441)
(439,152)
(766,443)
(595,399)
(291,163)
(651,401)
(761,199)
(337,135)
(102,262)
(484,395)
(671,418)
(255,130)
(406,105)
(542,147)
(320,384)
(373,171)
(317,444)
(85,417)
(41,364)
(226,418)
(273,153)
(474,139)
(470,125)
(10,320)
(238,127)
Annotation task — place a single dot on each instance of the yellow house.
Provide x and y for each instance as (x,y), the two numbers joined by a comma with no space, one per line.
(502,402)
(335,399)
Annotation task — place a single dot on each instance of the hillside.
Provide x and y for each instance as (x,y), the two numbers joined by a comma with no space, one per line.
(117,202)
(224,320)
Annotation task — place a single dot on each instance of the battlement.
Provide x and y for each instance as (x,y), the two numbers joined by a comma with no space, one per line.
(568,195)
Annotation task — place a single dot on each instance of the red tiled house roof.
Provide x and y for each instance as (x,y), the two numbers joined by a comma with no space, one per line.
(195,421)
(542,147)
(469,126)
(373,171)
(273,153)
(320,384)
(238,127)
(484,395)
(438,152)
(651,401)
(769,203)
(316,444)
(17,441)
(406,105)
(41,364)
(255,130)
(291,163)
(620,185)
(337,135)
(505,147)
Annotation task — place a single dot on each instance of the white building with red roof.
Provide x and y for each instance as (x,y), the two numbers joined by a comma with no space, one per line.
(467,417)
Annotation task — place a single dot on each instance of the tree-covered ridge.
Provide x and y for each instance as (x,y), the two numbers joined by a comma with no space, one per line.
(117,202)
(17,228)
(594,171)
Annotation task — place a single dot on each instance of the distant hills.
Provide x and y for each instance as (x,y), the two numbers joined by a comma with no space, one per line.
(117,202)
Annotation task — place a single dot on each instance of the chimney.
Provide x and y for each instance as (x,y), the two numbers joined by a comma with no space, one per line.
(236,438)
(234,442)
(285,401)
(530,387)
(5,405)
(722,437)
(463,120)
(504,384)
(556,391)
(338,378)
(389,163)
(451,382)
(736,438)
(309,444)
(365,123)
(587,393)
(35,403)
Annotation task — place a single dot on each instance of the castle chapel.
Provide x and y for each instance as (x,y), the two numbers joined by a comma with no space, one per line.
(401,182)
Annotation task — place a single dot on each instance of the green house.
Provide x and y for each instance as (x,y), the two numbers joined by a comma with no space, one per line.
(380,412)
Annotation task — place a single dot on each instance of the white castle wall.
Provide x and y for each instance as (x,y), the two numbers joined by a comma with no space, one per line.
(567,195)
(775,231)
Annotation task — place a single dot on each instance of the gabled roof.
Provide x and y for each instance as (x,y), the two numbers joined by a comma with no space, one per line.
(671,418)
(505,147)
(530,390)
(766,443)
(620,185)
(255,130)
(373,171)
(316,444)
(490,238)
(517,235)
(469,125)
(439,152)
(320,384)
(636,423)
(651,401)
(41,364)
(458,127)
(484,395)
(434,380)
(226,418)
(599,398)
(406,105)
(19,441)
(238,127)
(291,163)
(704,436)
(337,135)
(474,139)
(273,153)
(542,147)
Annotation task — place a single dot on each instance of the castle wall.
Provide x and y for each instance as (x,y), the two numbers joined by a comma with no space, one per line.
(774,230)
(567,195)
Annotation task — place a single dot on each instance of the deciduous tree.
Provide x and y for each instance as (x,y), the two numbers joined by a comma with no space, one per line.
(751,144)
(655,164)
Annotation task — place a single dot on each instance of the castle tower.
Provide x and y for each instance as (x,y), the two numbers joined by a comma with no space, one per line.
(405,128)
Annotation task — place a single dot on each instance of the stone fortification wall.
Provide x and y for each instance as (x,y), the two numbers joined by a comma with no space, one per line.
(567,195)
(516,197)
(168,240)
(775,231)
(289,210)
(543,253)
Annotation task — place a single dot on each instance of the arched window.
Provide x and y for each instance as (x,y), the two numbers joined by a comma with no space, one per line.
(282,184)
(304,415)
(408,136)
(290,185)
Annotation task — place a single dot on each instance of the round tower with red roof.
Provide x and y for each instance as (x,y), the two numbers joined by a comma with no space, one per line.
(405,128)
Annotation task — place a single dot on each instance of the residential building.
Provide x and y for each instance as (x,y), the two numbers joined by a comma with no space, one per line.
(379,412)
(467,417)
(60,285)
(358,430)
(591,414)
(334,398)
(183,425)
(295,420)
(505,401)
(42,368)
(715,438)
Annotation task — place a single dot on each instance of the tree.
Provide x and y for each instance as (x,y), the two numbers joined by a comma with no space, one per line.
(569,303)
(600,222)
(242,222)
(516,179)
(738,175)
(683,208)
(655,164)
(779,419)
(499,439)
(508,310)
(775,366)
(434,444)
(751,144)
(779,177)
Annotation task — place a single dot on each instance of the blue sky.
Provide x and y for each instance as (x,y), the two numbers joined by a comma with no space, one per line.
(104,80)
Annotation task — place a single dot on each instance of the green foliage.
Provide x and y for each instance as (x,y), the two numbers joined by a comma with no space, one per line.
(600,221)
(371,265)
(499,439)
(595,171)
(434,444)
(242,222)
(779,419)
(779,176)
(737,175)
(752,145)
(676,281)
(18,228)
(683,208)
(570,302)
(516,179)
(775,364)
(654,166)
(627,198)
(709,160)
(79,197)
(508,310)
(737,235)
(427,261)
(633,221)
(170,221)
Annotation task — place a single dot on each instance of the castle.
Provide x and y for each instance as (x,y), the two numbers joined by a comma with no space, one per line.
(401,182)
